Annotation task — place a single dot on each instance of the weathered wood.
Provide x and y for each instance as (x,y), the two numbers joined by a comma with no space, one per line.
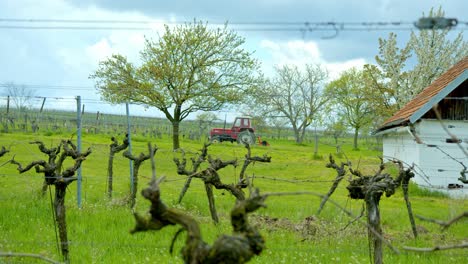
(53,175)
(373,219)
(340,173)
(137,161)
(210,176)
(240,247)
(196,162)
(403,179)
(249,159)
(437,248)
(211,202)
(3,151)
(444,224)
(370,188)
(114,147)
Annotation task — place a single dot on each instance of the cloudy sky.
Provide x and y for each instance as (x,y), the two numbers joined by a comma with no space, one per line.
(52,46)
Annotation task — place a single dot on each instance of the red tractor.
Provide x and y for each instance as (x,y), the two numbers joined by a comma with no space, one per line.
(241,131)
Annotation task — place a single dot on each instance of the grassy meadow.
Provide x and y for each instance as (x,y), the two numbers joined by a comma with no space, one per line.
(99,230)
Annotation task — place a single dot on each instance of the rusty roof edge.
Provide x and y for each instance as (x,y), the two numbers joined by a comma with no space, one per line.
(439,96)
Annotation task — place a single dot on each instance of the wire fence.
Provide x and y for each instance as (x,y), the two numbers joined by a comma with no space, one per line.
(55,115)
(94,190)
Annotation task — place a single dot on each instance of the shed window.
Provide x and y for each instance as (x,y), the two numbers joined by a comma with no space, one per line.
(453,140)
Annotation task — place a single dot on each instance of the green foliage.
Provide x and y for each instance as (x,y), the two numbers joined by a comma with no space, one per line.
(189,68)
(416,190)
(99,232)
(351,99)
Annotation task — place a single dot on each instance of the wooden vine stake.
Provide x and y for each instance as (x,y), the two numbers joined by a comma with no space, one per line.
(59,178)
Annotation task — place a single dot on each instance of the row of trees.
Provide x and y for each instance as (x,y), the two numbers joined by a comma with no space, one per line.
(194,68)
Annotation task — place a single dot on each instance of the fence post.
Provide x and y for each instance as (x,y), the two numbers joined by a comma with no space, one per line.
(129,144)
(78,146)
(8,105)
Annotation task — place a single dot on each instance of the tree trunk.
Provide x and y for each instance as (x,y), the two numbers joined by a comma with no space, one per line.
(373,220)
(356,134)
(175,135)
(59,205)
(297,136)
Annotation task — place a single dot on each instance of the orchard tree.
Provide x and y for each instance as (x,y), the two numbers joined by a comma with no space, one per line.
(190,68)
(279,123)
(352,100)
(293,93)
(390,78)
(335,127)
(20,95)
(205,120)
(433,51)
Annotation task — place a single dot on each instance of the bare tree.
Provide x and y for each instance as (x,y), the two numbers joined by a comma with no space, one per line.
(20,95)
(295,94)
(279,123)
(204,121)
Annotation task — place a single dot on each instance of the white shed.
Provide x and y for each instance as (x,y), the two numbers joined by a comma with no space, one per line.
(436,147)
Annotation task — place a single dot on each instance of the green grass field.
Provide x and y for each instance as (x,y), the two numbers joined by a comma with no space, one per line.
(99,231)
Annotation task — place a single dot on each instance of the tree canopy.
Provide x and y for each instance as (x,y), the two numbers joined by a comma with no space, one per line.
(189,68)
(294,94)
(352,100)
(401,73)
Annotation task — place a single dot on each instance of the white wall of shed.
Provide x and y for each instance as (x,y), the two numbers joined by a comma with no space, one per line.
(434,158)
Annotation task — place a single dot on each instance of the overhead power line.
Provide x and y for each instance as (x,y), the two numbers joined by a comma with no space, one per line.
(48,87)
(282,26)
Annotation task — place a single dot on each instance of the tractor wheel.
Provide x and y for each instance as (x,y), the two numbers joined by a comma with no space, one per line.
(215,140)
(246,137)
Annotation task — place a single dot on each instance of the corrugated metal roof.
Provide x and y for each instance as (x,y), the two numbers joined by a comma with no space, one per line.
(430,96)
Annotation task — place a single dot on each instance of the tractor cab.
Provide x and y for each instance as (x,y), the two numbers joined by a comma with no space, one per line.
(241,124)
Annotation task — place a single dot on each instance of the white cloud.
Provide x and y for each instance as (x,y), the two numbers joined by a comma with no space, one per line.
(292,52)
(336,68)
(300,53)
(100,50)
(126,44)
